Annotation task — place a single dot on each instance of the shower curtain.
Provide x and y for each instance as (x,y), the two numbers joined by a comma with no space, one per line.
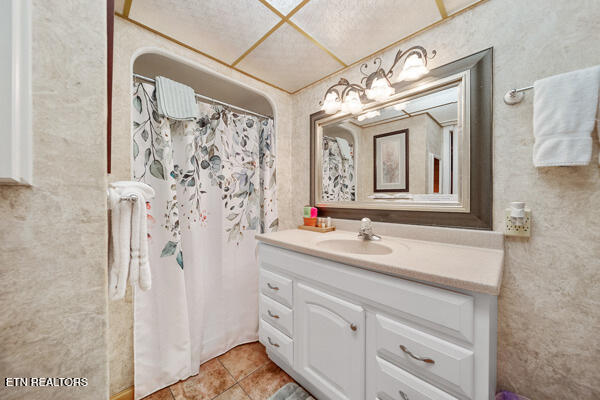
(338,172)
(215,188)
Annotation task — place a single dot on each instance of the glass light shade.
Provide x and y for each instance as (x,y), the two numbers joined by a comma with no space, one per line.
(352,103)
(370,114)
(414,68)
(380,90)
(332,103)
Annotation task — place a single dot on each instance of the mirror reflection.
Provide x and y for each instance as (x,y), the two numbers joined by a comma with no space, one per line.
(404,151)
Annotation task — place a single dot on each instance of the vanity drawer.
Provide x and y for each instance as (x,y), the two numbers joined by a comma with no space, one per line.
(423,354)
(276,342)
(276,314)
(395,383)
(276,287)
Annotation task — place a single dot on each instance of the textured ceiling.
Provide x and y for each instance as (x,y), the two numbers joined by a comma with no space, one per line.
(288,44)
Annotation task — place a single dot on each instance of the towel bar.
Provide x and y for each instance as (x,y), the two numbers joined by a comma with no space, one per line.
(515,96)
(131,197)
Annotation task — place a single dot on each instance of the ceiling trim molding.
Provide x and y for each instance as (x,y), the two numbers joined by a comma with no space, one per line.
(195,50)
(277,12)
(287,18)
(284,18)
(396,43)
(127,8)
(442,8)
(312,39)
(257,43)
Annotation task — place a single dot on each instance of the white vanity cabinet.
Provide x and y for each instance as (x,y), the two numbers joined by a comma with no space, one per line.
(330,342)
(348,333)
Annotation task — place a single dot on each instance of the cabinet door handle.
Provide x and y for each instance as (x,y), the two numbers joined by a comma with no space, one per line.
(272,315)
(272,287)
(424,359)
(403,395)
(271,342)
(353,327)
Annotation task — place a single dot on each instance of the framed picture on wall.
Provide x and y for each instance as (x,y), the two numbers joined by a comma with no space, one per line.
(390,161)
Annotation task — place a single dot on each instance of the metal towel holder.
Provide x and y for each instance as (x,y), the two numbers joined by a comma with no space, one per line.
(130,197)
(515,96)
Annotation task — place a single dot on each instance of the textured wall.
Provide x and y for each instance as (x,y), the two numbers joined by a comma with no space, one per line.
(417,135)
(53,234)
(549,318)
(128,39)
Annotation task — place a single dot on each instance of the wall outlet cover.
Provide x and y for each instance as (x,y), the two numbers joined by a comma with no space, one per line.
(511,229)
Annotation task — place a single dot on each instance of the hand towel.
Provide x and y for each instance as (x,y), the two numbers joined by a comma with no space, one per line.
(565,110)
(344,148)
(121,234)
(139,269)
(134,260)
(175,100)
(129,238)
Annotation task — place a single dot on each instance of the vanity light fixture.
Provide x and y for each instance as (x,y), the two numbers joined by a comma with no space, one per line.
(351,97)
(352,103)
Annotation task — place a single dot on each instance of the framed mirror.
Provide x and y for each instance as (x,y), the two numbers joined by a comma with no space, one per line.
(422,156)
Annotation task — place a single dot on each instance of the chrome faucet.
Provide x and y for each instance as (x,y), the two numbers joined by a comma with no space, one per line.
(366,230)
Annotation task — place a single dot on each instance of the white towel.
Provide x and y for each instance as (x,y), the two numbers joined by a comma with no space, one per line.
(391,196)
(129,238)
(175,100)
(565,110)
(121,233)
(139,269)
(344,148)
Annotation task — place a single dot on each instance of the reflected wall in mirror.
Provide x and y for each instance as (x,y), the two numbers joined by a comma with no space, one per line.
(426,149)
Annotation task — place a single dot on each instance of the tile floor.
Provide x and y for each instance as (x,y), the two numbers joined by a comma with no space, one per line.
(243,373)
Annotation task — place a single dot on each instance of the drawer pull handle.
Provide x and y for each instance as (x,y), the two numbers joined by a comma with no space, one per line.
(403,395)
(353,327)
(272,315)
(272,343)
(272,287)
(425,360)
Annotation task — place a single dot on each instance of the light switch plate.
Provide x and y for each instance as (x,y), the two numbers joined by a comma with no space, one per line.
(511,229)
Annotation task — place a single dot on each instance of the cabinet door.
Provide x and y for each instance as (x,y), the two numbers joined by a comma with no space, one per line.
(330,343)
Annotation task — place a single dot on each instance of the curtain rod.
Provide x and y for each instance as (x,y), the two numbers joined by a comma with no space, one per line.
(150,80)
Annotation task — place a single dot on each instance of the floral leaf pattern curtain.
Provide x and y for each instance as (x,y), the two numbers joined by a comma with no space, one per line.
(338,172)
(215,184)
(234,153)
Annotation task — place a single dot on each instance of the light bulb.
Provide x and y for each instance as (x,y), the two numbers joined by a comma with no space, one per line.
(331,105)
(414,68)
(380,90)
(352,103)
(370,114)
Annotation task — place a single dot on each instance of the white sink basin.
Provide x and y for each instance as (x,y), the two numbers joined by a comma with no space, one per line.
(354,246)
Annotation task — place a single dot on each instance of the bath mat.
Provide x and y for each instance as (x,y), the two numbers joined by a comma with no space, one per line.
(291,391)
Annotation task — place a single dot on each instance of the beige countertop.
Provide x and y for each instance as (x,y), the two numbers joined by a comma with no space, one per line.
(463,267)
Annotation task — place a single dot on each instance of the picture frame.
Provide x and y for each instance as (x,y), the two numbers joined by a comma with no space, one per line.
(390,162)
